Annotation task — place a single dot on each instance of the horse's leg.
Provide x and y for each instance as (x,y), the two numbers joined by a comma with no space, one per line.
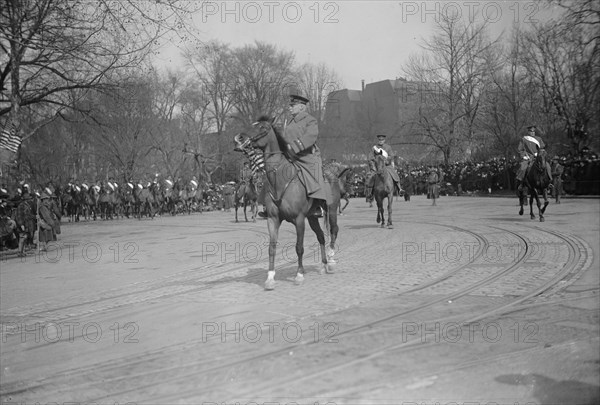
(380,211)
(539,206)
(521,201)
(245,206)
(347,202)
(313,221)
(331,221)
(545,195)
(236,203)
(300,225)
(389,207)
(542,208)
(532,195)
(273,226)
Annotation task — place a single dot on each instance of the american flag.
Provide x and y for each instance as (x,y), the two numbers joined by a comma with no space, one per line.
(257,160)
(9,139)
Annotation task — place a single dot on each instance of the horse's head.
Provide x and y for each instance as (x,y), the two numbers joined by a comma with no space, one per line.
(242,141)
(264,132)
(540,161)
(379,163)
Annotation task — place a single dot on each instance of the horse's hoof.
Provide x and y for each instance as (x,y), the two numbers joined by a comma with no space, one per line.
(378,220)
(542,219)
(269,285)
(521,212)
(533,217)
(390,226)
(299,279)
(329,269)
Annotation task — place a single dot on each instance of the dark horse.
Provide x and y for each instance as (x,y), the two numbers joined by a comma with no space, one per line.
(383,187)
(246,195)
(287,199)
(537,182)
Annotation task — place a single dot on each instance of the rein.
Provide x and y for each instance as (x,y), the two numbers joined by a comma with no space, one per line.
(272,188)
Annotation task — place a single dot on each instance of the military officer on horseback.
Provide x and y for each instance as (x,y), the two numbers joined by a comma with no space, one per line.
(382,148)
(245,177)
(245,174)
(300,134)
(194,183)
(529,146)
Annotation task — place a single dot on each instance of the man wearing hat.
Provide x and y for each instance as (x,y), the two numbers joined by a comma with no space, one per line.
(557,172)
(382,148)
(301,133)
(49,222)
(528,148)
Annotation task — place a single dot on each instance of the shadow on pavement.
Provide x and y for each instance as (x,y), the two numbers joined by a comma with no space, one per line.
(549,391)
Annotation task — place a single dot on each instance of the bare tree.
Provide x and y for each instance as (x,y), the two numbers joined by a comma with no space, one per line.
(316,82)
(211,65)
(563,57)
(262,74)
(196,124)
(451,74)
(121,129)
(51,47)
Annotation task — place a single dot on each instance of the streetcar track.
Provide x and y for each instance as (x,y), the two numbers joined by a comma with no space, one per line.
(294,379)
(285,349)
(289,348)
(342,364)
(573,259)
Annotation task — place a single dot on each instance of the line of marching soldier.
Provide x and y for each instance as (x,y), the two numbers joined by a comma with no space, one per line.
(26,213)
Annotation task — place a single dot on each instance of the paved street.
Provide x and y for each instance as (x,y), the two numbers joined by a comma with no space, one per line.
(463,302)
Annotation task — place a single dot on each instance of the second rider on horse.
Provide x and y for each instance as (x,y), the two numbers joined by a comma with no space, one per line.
(382,148)
(529,146)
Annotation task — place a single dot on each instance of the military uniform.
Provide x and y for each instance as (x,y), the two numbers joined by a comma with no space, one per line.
(228,195)
(387,152)
(49,222)
(301,136)
(409,184)
(557,173)
(528,148)
(433,188)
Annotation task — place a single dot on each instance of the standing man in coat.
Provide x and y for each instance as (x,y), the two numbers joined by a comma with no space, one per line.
(301,133)
(557,173)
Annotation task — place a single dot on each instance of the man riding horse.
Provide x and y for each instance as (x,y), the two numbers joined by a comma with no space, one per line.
(382,148)
(300,135)
(529,146)
(245,178)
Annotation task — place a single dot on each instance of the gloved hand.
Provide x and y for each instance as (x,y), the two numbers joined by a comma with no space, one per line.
(291,151)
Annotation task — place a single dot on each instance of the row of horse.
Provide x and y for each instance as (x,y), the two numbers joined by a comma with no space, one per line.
(126,201)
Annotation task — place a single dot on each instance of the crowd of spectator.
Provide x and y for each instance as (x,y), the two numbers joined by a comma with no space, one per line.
(581,176)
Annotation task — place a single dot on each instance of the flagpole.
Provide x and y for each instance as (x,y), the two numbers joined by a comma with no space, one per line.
(38,202)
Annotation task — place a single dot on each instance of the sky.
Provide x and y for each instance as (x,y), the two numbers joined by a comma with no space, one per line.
(369,40)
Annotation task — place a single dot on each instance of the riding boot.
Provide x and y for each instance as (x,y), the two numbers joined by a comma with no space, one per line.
(318,208)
